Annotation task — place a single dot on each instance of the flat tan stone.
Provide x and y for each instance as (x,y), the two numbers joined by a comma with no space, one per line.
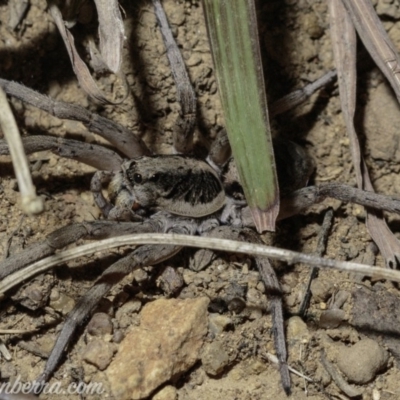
(166,344)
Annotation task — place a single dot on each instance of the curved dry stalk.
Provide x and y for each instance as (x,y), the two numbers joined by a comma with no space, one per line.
(112,60)
(234,246)
(344,49)
(30,202)
(376,40)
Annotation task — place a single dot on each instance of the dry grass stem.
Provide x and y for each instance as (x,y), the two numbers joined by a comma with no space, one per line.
(288,256)
(30,202)
(344,43)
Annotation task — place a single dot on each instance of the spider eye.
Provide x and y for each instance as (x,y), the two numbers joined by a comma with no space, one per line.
(137,178)
(155,177)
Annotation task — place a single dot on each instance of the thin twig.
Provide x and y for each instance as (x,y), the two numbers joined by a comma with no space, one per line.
(16,331)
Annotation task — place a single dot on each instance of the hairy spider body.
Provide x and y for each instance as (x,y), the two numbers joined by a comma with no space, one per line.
(178,184)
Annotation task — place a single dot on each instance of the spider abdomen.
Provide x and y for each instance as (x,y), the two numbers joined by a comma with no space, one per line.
(177,184)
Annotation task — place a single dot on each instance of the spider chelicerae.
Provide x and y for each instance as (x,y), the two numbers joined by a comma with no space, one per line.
(175,193)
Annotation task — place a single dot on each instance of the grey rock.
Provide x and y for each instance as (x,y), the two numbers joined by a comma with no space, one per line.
(362,361)
(331,319)
(100,325)
(321,289)
(214,358)
(170,281)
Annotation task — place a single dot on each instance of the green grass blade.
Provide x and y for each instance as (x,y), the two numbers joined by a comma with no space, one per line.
(232,29)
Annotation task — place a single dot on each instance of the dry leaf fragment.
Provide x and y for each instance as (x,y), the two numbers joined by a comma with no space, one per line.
(80,69)
(111,33)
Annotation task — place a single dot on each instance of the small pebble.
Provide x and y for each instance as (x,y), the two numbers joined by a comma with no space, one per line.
(170,281)
(126,312)
(260,287)
(188,276)
(297,329)
(236,305)
(100,325)
(34,295)
(362,361)
(118,336)
(130,307)
(201,259)
(376,395)
(331,319)
(214,358)
(254,297)
(321,289)
(218,323)
(166,393)
(62,303)
(140,275)
(99,353)
(176,15)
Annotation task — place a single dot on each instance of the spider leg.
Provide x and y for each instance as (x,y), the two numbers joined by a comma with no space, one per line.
(183,134)
(220,151)
(67,235)
(273,289)
(120,206)
(91,154)
(275,298)
(142,256)
(122,138)
(99,179)
(303,198)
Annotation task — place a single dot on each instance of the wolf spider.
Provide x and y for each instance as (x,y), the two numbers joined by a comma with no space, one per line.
(171,194)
